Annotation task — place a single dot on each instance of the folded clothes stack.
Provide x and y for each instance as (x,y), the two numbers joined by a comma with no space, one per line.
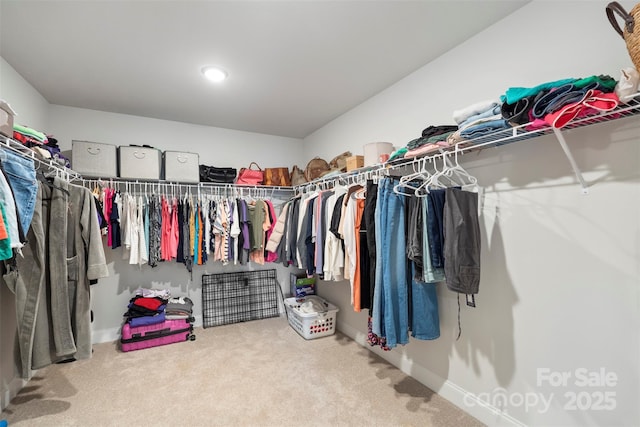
(28,136)
(146,311)
(537,107)
(179,308)
(433,138)
(477,120)
(550,104)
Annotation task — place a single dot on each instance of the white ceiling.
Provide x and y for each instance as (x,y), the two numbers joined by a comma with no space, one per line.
(294,65)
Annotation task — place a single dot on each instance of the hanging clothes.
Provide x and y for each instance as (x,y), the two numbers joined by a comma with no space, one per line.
(51,282)
(270,256)
(390,312)
(155,231)
(462,241)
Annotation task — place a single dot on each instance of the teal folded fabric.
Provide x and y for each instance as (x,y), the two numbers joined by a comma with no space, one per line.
(514,94)
(398,154)
(603,81)
(30,132)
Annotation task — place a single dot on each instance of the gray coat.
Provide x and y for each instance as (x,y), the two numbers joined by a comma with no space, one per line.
(51,282)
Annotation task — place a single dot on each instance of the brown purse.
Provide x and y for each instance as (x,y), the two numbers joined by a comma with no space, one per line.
(277,177)
(297,176)
(316,168)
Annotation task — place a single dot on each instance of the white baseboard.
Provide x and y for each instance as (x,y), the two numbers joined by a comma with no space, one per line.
(11,391)
(455,394)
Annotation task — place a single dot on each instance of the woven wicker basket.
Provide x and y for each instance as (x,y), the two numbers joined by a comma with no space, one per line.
(631,32)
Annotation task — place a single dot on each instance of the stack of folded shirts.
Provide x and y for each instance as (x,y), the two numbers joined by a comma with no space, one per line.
(28,136)
(539,106)
(478,120)
(179,308)
(433,138)
(146,310)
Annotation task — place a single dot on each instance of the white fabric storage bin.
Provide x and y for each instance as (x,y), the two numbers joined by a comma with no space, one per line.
(373,150)
(94,159)
(181,167)
(140,162)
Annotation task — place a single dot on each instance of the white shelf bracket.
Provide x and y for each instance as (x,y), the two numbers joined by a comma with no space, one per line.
(567,152)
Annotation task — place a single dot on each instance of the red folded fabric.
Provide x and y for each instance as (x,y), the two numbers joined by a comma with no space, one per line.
(592,103)
(149,303)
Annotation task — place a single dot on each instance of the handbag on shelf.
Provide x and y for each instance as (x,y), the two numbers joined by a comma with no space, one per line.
(631,32)
(277,177)
(339,162)
(297,176)
(217,175)
(316,168)
(248,176)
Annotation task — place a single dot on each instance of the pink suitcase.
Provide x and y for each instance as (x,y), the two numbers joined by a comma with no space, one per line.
(167,332)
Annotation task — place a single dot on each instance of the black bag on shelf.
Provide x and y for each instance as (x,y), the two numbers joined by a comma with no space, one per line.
(217,175)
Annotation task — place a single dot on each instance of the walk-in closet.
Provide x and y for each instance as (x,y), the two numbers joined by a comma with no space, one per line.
(284,213)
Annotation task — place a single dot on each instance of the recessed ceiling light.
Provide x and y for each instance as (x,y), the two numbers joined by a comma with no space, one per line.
(214,74)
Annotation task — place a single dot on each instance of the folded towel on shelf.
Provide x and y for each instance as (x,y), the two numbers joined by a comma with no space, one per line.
(463,114)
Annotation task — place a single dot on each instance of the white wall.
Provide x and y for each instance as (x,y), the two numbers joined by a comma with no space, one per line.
(32,110)
(215,146)
(560,270)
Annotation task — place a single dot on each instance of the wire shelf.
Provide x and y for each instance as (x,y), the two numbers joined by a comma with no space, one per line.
(50,164)
(239,297)
(630,108)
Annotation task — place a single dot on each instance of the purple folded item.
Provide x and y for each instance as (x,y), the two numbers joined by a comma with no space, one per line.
(147,320)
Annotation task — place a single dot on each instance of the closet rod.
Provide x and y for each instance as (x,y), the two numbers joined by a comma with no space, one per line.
(196,187)
(26,152)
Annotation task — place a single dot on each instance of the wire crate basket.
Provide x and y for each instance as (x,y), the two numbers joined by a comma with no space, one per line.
(311,325)
(239,297)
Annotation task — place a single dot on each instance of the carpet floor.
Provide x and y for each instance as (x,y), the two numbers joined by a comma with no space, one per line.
(259,373)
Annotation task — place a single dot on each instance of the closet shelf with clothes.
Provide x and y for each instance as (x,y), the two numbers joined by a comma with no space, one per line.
(576,118)
(45,164)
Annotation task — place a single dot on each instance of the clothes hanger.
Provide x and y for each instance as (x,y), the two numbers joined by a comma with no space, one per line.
(468,180)
(434,181)
(49,182)
(407,182)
